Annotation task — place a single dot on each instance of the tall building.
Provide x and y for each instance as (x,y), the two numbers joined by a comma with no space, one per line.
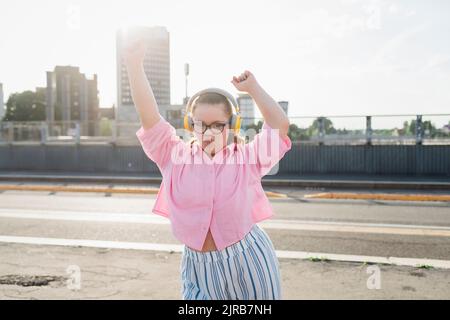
(247,108)
(157,70)
(2,106)
(285,106)
(72,97)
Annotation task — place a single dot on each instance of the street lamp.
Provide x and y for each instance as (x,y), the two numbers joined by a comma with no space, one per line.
(186,73)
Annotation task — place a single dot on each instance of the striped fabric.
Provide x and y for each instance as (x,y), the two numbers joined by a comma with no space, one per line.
(246,270)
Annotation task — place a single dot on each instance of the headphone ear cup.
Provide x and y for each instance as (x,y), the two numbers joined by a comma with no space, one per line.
(238,123)
(233,122)
(188,123)
(185,125)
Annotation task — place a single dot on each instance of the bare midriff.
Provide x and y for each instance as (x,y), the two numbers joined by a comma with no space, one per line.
(209,244)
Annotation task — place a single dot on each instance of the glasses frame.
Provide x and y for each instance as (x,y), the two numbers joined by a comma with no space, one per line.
(205,127)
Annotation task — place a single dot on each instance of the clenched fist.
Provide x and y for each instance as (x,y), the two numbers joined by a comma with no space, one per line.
(134,47)
(246,82)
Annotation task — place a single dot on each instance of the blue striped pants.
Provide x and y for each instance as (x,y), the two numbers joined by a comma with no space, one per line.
(246,270)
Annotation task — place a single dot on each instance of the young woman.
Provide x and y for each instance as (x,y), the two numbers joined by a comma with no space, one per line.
(214,197)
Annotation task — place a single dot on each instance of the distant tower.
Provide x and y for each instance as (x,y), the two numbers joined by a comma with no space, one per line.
(72,97)
(186,73)
(285,106)
(2,106)
(247,109)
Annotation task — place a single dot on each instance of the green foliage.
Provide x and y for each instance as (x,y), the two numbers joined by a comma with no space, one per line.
(25,106)
(105,127)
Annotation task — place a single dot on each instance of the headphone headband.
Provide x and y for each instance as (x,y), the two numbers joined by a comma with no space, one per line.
(235,120)
(213,90)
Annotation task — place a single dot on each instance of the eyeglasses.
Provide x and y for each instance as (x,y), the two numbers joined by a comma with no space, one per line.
(216,127)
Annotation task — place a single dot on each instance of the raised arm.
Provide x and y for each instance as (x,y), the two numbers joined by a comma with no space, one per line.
(156,135)
(272,142)
(141,90)
(272,112)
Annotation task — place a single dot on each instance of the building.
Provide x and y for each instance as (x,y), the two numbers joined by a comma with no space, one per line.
(157,69)
(2,105)
(174,114)
(446,129)
(72,97)
(285,106)
(108,113)
(247,109)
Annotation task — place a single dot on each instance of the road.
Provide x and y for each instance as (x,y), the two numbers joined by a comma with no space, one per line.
(123,225)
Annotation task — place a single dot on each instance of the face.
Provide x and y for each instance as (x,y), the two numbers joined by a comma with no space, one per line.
(208,114)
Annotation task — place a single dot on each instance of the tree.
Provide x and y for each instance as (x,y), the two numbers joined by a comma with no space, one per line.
(25,106)
(327,125)
(296,133)
(429,130)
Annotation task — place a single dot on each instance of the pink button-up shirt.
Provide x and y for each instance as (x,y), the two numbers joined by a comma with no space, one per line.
(223,194)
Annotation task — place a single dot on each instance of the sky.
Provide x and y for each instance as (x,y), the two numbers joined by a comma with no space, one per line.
(326,57)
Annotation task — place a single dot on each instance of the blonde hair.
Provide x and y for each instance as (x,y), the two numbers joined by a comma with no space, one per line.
(216,98)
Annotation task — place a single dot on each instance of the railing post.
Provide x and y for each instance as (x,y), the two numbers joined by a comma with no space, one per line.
(321,130)
(10,131)
(114,130)
(43,132)
(77,132)
(369,130)
(419,130)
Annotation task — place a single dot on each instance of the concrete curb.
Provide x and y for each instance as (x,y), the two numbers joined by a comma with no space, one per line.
(282,254)
(276,182)
(379,196)
(78,189)
(269,194)
(396,261)
(358,184)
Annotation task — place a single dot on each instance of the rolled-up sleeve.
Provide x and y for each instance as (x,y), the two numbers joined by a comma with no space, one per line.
(159,141)
(266,149)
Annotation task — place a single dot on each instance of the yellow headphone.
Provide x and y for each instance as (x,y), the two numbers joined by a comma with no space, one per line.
(235,121)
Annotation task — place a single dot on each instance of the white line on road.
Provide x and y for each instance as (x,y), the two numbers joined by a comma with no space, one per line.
(281,224)
(412,262)
(82,216)
(409,230)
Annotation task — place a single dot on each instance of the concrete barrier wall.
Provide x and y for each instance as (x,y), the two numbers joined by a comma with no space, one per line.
(302,159)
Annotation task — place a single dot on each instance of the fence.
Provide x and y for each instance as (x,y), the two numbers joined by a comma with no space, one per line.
(321,145)
(378,129)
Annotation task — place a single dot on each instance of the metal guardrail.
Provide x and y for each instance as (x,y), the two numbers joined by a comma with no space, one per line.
(335,130)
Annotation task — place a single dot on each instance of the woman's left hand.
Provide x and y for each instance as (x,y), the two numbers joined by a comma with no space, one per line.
(246,82)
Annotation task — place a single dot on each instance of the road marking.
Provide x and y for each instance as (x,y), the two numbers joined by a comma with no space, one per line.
(360,228)
(301,255)
(52,188)
(304,225)
(92,243)
(82,216)
(59,188)
(378,196)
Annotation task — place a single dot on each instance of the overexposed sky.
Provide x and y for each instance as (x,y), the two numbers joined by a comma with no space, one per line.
(325,57)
